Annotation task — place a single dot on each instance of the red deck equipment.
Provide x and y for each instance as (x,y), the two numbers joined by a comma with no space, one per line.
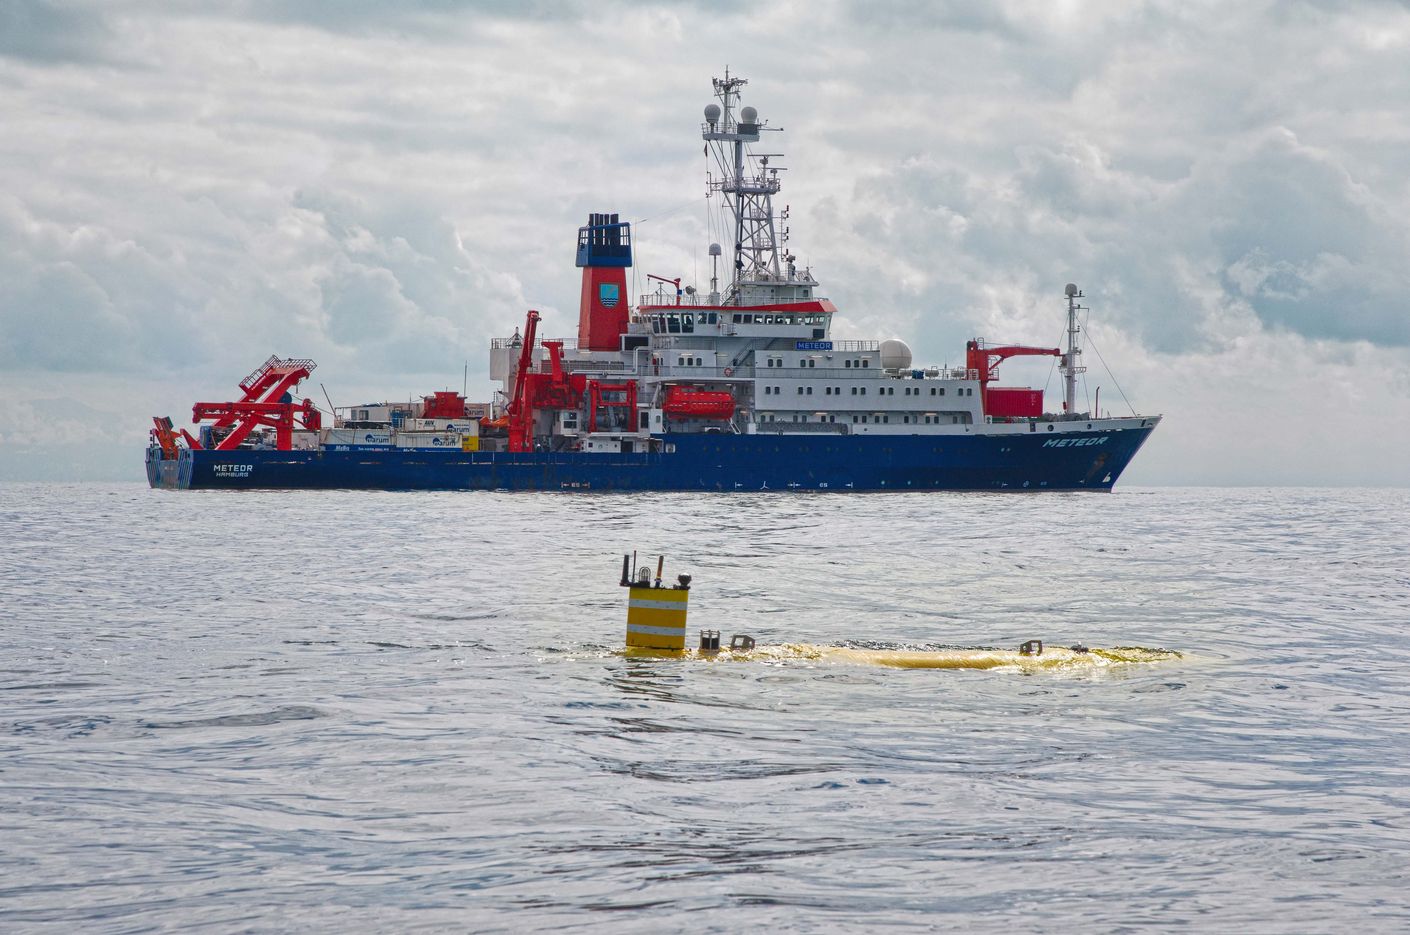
(597,400)
(691,402)
(266,401)
(446,404)
(1005,401)
(534,391)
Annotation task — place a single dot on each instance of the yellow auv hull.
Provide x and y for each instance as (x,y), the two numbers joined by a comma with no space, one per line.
(1050,658)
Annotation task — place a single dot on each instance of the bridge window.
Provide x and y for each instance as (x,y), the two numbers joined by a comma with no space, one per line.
(810,391)
(738,318)
(866,362)
(854,391)
(864,391)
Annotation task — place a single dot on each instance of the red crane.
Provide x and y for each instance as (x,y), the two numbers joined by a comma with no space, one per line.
(534,391)
(1005,401)
(264,402)
(669,282)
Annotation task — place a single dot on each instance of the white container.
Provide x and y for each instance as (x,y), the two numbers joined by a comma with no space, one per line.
(460,426)
(445,440)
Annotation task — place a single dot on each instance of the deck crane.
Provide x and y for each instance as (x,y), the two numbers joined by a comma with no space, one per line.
(669,282)
(521,412)
(266,401)
(985,360)
(533,391)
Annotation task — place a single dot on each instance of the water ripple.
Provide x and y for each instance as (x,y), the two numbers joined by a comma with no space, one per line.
(335,711)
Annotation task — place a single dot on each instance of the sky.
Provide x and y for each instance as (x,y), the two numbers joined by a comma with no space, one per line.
(188,187)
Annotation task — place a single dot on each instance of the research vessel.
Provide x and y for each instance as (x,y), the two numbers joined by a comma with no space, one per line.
(741,387)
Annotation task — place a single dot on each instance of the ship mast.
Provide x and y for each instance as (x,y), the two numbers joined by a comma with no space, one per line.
(746,181)
(1070,367)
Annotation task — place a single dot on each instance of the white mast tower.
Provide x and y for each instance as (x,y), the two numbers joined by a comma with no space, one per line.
(1070,368)
(748,184)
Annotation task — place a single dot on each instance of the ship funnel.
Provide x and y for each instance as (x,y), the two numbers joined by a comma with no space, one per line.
(604,253)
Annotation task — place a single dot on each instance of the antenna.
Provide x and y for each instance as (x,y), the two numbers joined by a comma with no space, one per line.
(746,181)
(1070,367)
(715,252)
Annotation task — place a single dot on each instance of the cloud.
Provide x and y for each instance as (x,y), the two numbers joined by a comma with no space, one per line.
(49,33)
(383,187)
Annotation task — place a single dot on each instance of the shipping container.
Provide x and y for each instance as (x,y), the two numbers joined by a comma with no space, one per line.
(1013,402)
(428,440)
(356,437)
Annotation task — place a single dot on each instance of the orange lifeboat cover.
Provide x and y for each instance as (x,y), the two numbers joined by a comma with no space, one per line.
(690,402)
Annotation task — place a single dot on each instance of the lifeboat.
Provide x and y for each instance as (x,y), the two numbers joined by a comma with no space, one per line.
(691,402)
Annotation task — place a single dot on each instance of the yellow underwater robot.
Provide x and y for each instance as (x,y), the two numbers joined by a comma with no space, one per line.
(656,626)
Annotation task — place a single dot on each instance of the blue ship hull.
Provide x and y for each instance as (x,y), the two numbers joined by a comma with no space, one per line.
(1090,460)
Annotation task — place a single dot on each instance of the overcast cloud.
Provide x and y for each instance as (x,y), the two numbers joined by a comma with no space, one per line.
(186,188)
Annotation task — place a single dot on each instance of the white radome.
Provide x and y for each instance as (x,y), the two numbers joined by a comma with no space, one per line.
(895,355)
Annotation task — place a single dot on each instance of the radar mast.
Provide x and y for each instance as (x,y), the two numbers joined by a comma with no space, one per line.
(748,183)
(1070,365)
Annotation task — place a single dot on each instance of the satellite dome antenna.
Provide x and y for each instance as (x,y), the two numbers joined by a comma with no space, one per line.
(712,114)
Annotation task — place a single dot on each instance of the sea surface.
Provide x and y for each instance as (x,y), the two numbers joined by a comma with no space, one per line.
(348,712)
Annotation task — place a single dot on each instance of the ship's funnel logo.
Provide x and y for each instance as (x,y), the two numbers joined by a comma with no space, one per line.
(607,294)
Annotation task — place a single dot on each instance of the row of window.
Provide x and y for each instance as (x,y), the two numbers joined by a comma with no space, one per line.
(682,322)
(862,390)
(877,418)
(778,319)
(685,322)
(778,362)
(864,362)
